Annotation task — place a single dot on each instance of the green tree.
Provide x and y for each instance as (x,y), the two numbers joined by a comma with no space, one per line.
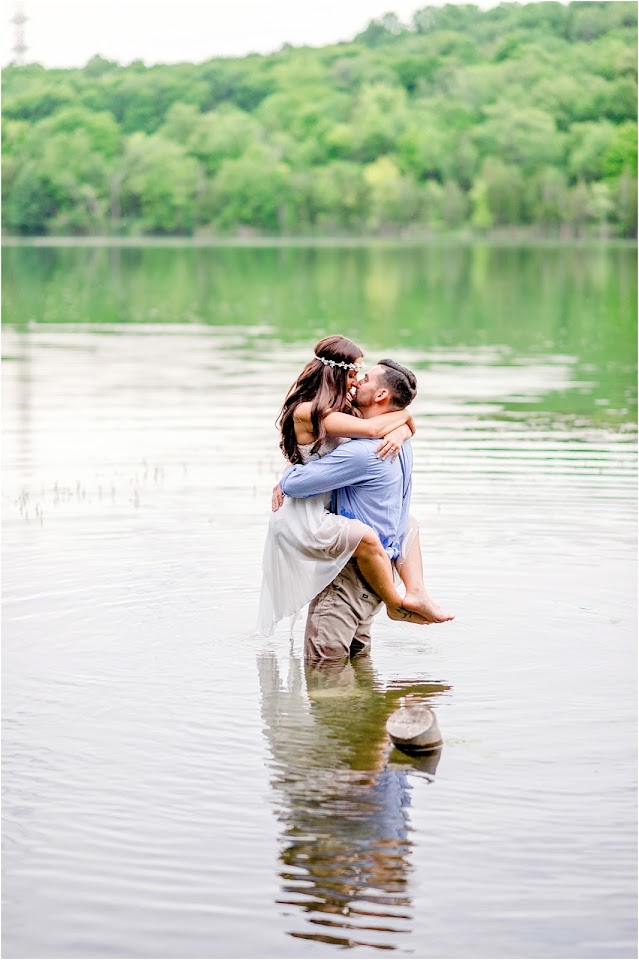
(424,148)
(243,83)
(571,97)
(481,216)
(394,199)
(251,190)
(504,192)
(454,205)
(341,196)
(588,20)
(381,30)
(624,198)
(39,99)
(526,138)
(181,122)
(61,173)
(620,102)
(222,134)
(140,100)
(546,196)
(601,206)
(31,202)
(589,144)
(432,203)
(622,152)
(15,135)
(97,67)
(100,129)
(380,116)
(160,186)
(577,209)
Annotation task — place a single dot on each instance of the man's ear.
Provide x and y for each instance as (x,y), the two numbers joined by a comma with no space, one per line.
(381,395)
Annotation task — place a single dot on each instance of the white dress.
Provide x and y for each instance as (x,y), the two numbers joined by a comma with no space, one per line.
(306,547)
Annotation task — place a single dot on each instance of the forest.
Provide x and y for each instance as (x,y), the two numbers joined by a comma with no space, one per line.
(520,119)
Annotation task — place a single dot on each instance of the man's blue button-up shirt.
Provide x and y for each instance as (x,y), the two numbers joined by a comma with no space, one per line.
(364,487)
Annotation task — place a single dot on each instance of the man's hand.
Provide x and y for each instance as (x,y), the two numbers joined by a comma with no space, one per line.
(392,442)
(277,498)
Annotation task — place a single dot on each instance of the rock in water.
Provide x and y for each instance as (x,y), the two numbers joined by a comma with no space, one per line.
(413,728)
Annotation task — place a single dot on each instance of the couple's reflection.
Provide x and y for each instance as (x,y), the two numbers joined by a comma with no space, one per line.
(342,797)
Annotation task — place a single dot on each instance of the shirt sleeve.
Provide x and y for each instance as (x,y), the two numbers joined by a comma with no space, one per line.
(344,466)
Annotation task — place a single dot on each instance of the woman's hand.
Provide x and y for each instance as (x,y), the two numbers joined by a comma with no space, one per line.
(392,442)
(277,498)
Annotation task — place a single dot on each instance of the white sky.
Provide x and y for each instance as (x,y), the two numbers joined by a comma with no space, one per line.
(67,33)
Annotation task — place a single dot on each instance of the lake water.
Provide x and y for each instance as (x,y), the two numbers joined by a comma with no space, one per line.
(177,786)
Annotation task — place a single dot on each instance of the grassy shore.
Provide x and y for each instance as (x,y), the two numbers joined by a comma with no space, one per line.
(494,238)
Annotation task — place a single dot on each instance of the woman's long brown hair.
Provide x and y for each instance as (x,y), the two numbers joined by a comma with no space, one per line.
(327,389)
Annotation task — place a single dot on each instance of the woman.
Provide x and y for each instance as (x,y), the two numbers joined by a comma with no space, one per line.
(306,545)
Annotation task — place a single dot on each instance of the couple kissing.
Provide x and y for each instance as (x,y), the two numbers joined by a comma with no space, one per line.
(341,534)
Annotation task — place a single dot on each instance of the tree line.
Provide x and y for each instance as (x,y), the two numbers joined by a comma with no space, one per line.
(521,117)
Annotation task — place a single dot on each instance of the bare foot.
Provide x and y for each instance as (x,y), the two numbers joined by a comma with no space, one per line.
(403,613)
(422,605)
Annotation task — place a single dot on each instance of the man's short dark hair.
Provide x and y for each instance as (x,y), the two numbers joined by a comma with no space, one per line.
(400,382)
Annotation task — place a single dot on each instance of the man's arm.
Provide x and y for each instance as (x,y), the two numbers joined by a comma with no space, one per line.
(345,466)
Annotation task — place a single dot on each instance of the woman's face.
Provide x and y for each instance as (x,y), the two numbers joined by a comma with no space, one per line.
(353,376)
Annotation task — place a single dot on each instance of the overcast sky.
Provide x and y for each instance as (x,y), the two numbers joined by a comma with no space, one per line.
(67,33)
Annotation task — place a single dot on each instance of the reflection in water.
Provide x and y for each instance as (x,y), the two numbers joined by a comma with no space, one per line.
(343,806)
(539,301)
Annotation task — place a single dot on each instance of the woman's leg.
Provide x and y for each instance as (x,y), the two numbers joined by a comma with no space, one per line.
(375,568)
(411,572)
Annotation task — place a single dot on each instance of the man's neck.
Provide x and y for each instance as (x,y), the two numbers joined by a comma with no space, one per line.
(376,410)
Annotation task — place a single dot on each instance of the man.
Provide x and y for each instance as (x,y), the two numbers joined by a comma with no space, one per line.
(369,489)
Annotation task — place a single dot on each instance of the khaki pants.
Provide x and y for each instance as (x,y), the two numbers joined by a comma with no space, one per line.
(340,618)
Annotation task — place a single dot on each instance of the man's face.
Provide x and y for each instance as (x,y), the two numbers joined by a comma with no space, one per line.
(367,387)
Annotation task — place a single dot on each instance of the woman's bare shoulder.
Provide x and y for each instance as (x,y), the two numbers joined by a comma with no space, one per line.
(302,412)
(302,424)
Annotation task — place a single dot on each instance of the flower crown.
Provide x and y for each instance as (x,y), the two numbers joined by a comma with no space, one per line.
(339,363)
